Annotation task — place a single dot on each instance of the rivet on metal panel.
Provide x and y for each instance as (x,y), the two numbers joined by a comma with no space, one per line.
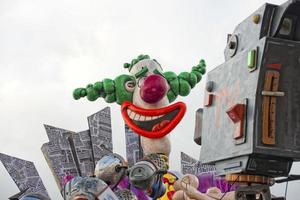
(256,18)
(209,86)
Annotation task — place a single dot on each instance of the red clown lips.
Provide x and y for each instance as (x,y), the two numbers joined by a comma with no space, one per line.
(153,123)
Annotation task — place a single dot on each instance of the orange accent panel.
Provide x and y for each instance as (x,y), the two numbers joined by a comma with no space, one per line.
(269,108)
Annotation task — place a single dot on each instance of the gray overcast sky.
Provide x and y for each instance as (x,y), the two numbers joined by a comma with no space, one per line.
(48,48)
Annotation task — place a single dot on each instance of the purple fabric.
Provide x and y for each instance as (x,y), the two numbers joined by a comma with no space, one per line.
(66,179)
(206,180)
(209,179)
(140,194)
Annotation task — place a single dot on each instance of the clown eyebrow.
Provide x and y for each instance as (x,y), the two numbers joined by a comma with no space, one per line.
(142,72)
(156,71)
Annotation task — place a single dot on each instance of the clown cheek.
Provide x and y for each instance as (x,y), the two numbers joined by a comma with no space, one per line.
(161,145)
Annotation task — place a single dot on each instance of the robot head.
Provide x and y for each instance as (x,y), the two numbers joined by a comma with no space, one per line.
(111,168)
(147,175)
(87,188)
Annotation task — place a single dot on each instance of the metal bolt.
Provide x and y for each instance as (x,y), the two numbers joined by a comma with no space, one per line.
(209,86)
(256,18)
(231,45)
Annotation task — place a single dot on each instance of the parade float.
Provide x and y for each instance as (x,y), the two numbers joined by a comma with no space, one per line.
(251,111)
(145,96)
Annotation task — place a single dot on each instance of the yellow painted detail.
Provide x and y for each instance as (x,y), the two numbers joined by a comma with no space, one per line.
(169,185)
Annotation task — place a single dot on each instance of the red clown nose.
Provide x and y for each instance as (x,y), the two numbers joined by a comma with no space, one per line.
(153,88)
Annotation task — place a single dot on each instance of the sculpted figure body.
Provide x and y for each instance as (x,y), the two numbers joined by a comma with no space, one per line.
(145,96)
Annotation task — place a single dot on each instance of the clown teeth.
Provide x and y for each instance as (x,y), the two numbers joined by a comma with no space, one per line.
(132,115)
(148,118)
(142,118)
(137,117)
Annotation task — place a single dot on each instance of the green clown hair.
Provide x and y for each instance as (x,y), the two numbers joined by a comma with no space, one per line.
(117,91)
(134,61)
(185,81)
(110,90)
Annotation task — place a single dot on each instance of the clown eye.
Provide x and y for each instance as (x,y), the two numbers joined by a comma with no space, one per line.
(142,72)
(129,86)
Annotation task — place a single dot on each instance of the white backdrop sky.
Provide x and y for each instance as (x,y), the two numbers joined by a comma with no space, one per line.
(48,48)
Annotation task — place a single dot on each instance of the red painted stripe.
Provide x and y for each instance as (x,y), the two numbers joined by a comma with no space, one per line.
(274,65)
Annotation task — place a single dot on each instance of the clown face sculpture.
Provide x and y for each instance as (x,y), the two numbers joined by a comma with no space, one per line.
(149,114)
(145,97)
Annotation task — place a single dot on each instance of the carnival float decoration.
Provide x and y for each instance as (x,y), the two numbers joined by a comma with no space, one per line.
(79,159)
(145,96)
(252,103)
(248,110)
(26,177)
(72,156)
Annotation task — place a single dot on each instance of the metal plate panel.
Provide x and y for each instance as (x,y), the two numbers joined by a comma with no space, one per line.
(233,83)
(282,56)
